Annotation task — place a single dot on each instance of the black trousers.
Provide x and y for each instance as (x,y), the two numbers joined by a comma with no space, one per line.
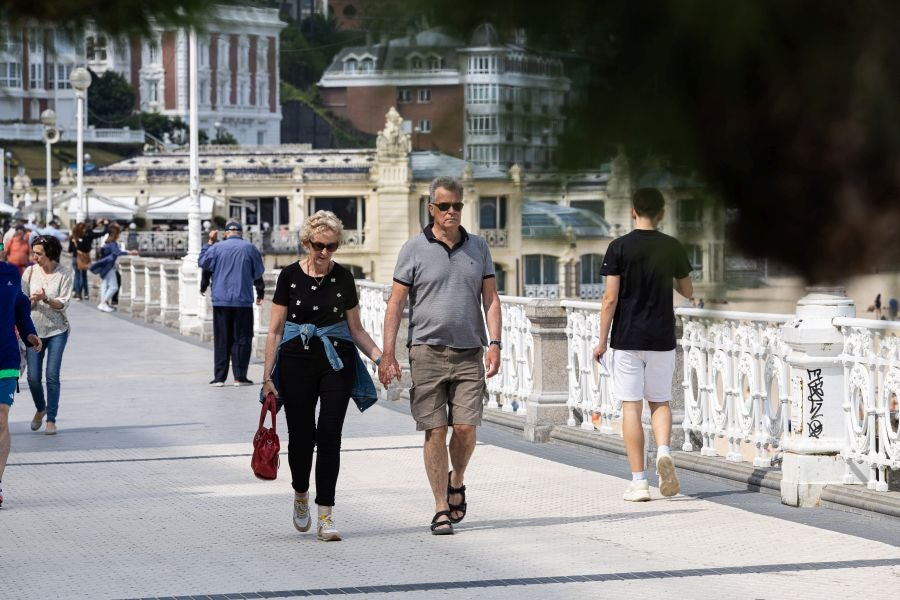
(306,379)
(232,336)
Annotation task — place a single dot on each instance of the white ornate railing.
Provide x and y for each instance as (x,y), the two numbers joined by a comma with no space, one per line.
(509,390)
(591,404)
(372,306)
(548,290)
(735,381)
(871,359)
(161,243)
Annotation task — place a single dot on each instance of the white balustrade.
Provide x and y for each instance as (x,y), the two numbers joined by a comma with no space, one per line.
(590,394)
(495,237)
(372,306)
(735,381)
(509,390)
(871,359)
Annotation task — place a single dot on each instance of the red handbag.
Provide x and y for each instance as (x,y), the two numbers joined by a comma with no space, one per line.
(266,446)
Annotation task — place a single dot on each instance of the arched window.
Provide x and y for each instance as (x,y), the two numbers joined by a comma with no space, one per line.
(500,275)
(541,276)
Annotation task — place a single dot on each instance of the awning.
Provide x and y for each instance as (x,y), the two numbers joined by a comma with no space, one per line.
(118,208)
(177,207)
(7,209)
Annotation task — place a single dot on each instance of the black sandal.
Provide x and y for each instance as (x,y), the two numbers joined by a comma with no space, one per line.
(461,507)
(438,527)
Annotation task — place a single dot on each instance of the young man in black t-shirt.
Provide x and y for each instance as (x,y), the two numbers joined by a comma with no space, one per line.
(641,268)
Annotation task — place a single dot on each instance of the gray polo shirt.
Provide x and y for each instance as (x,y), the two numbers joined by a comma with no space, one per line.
(445,289)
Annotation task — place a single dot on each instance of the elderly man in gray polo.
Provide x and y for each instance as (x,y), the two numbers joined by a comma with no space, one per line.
(448,276)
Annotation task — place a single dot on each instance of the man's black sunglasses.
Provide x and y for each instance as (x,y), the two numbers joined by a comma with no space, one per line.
(445,206)
(319,246)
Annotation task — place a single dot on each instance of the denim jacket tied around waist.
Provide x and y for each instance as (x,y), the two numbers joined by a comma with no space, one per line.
(363,392)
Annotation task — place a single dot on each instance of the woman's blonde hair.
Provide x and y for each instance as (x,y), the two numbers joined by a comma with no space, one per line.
(320,221)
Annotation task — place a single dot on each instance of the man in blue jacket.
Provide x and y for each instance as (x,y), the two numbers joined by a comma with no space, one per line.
(15,314)
(235,264)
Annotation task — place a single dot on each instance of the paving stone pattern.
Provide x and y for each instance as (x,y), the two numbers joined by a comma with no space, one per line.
(147,493)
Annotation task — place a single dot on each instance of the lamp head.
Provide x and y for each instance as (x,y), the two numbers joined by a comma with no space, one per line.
(80,79)
(48,117)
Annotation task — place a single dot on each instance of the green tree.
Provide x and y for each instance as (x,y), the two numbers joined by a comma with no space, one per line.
(308,49)
(115,17)
(110,100)
(787,109)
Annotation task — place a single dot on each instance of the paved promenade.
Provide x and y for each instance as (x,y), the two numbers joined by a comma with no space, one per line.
(147,492)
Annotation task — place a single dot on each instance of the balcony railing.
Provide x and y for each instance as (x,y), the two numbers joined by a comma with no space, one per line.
(544,290)
(495,237)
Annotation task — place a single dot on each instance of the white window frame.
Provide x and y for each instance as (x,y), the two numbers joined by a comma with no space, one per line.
(424,125)
(404,95)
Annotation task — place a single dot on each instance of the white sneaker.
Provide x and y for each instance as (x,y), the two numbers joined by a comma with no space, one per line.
(668,480)
(302,520)
(326,530)
(637,491)
(105,307)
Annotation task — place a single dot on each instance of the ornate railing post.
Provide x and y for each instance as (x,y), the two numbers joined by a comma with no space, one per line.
(125,289)
(547,403)
(152,290)
(813,446)
(168,301)
(138,283)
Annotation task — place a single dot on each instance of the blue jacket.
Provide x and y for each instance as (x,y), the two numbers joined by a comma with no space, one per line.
(363,392)
(15,313)
(110,253)
(235,263)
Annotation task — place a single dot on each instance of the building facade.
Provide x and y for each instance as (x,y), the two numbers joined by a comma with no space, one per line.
(547,232)
(238,73)
(490,103)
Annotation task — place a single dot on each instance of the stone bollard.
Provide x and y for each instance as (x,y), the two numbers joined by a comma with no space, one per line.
(546,406)
(152,290)
(205,316)
(138,283)
(168,300)
(812,447)
(125,289)
(262,314)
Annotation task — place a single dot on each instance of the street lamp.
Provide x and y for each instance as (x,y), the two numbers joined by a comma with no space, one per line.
(218,126)
(7,161)
(81,81)
(51,136)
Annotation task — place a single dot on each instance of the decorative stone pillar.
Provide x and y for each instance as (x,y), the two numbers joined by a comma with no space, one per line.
(124,263)
(168,300)
(151,290)
(138,284)
(812,446)
(205,315)
(546,407)
(262,315)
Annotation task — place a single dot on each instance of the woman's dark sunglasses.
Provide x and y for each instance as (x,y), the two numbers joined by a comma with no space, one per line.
(319,246)
(445,206)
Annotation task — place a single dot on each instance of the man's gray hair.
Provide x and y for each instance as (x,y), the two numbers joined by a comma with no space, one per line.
(451,184)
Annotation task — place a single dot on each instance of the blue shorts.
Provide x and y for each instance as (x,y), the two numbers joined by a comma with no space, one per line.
(7,390)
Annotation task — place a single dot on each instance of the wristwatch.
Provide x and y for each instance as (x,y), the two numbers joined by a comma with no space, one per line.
(497,343)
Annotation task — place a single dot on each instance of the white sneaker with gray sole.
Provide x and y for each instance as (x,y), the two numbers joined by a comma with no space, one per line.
(637,491)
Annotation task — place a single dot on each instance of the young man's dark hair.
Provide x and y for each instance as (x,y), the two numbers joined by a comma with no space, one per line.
(648,202)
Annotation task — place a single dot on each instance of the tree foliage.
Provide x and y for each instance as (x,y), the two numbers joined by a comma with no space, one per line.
(110,100)
(308,49)
(788,109)
(115,17)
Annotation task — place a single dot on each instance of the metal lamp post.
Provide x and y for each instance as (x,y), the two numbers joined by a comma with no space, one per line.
(51,136)
(81,81)
(189,275)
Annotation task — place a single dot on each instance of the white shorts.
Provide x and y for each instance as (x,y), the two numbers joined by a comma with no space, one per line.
(642,375)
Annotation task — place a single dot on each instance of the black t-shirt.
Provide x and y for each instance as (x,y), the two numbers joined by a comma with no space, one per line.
(647,261)
(320,301)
